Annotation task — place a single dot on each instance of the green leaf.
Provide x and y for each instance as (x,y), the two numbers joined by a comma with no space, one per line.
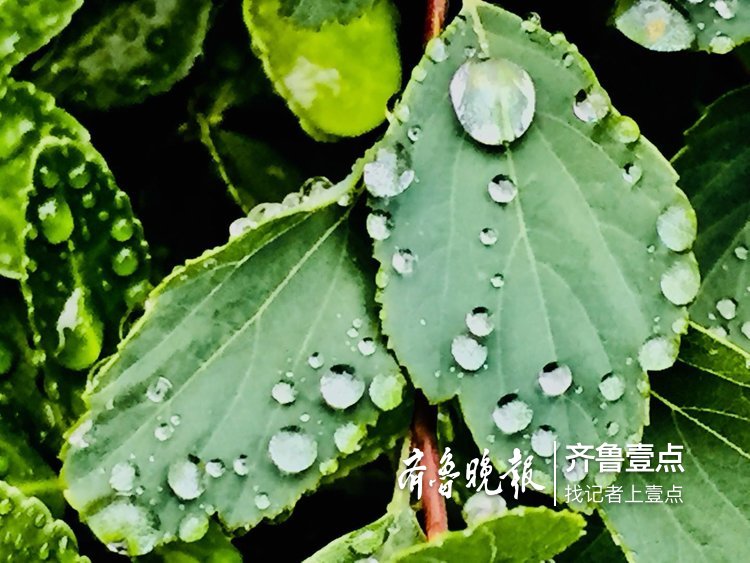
(521,534)
(26,26)
(714,171)
(122,52)
(30,533)
(336,79)
(710,416)
(214,403)
(566,267)
(716,27)
(81,228)
(214,547)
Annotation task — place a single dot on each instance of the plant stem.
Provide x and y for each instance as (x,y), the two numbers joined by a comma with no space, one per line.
(423,437)
(435,18)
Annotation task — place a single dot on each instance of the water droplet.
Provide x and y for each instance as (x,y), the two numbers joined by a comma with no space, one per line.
(721,44)
(163,431)
(575,473)
(284,393)
(481,506)
(612,428)
(727,308)
(193,527)
(631,173)
(625,130)
(532,23)
(348,437)
(125,262)
(677,227)
(741,253)
(379,225)
(502,189)
(413,133)
(292,450)
(468,353)
(658,353)
(124,526)
(436,50)
(511,414)
(592,105)
(366,346)
(655,24)
(612,387)
(488,236)
(122,477)
(494,100)
(56,220)
(497,281)
(681,282)
(240,466)
(215,468)
(262,501)
(340,387)
(386,391)
(555,379)
(390,173)
(745,329)
(315,360)
(568,59)
(159,389)
(479,321)
(184,479)
(718,331)
(403,261)
(122,230)
(543,441)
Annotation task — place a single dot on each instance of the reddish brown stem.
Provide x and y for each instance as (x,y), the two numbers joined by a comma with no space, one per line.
(423,436)
(435,18)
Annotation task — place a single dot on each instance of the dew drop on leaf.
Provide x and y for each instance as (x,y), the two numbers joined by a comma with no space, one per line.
(591,105)
(497,281)
(122,477)
(262,501)
(726,9)
(479,321)
(366,346)
(122,230)
(215,468)
(240,467)
(677,227)
(727,308)
(612,428)
(348,437)
(658,353)
(657,25)
(436,50)
(379,225)
(122,524)
(543,441)
(158,390)
(681,282)
(626,130)
(386,391)
(631,173)
(284,393)
(574,473)
(193,527)
(502,189)
(721,44)
(494,100)
(488,236)
(481,506)
(390,173)
(403,261)
(741,253)
(292,451)
(125,262)
(468,353)
(413,133)
(315,360)
(340,387)
(163,431)
(56,220)
(184,479)
(511,414)
(555,379)
(612,387)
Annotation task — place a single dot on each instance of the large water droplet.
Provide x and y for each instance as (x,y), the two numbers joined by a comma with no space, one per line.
(292,450)
(390,173)
(481,506)
(502,189)
(721,44)
(741,253)
(511,414)
(479,321)
(193,527)
(379,225)
(366,346)
(340,387)
(284,393)
(657,25)
(543,441)
(122,229)
(348,437)
(215,468)
(403,261)
(681,282)
(612,387)
(468,353)
(125,527)
(677,227)
(56,220)
(658,353)
(184,478)
(591,105)
(122,477)
(125,262)
(555,379)
(494,100)
(727,308)
(386,391)
(159,389)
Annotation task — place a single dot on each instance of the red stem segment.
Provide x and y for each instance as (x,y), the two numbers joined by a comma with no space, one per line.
(423,436)
(435,18)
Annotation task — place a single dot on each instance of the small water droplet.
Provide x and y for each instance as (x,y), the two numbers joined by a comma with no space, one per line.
(292,451)
(494,100)
(125,262)
(240,467)
(626,130)
(262,501)
(591,105)
(655,24)
(413,133)
(532,23)
(745,329)
(348,437)
(497,281)
(436,50)
(122,477)
(681,282)
(677,227)
(390,173)
(158,390)
(403,261)
(721,44)
(658,353)
(511,414)
(631,173)
(215,468)
(612,387)
(488,236)
(184,479)
(468,353)
(727,308)
(193,527)
(122,229)
(741,253)
(315,360)
(340,387)
(542,441)
(284,393)
(555,379)
(56,220)
(479,321)
(163,431)
(502,189)
(366,346)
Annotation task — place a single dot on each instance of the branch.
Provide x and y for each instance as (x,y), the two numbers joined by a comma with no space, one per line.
(435,18)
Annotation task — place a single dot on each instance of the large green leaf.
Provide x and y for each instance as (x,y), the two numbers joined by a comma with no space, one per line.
(214,547)
(26,26)
(337,79)
(521,534)
(714,169)
(568,263)
(256,373)
(119,53)
(715,26)
(29,533)
(709,416)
